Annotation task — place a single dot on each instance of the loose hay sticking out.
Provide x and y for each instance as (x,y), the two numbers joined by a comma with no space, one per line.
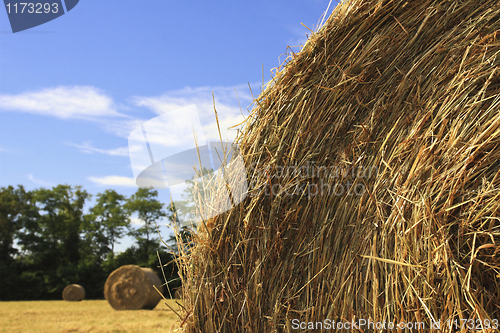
(73,293)
(178,293)
(130,287)
(373,164)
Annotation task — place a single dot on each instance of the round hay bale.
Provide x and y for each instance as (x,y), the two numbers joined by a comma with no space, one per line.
(373,161)
(130,287)
(73,293)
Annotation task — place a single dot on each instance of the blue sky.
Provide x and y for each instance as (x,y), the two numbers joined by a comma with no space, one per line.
(73,89)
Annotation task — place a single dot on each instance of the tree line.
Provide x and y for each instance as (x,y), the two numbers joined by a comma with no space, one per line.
(47,241)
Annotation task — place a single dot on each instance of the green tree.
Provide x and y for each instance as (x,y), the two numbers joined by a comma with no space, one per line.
(51,243)
(61,218)
(183,232)
(16,206)
(107,221)
(16,209)
(182,214)
(186,210)
(144,202)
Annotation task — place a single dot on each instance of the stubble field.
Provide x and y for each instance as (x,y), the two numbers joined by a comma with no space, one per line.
(84,317)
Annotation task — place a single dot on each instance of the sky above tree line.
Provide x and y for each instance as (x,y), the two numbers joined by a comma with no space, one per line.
(73,89)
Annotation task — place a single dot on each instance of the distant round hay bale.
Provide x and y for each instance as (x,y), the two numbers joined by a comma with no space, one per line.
(130,287)
(73,293)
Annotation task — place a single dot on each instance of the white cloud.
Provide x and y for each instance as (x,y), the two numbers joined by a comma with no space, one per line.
(40,182)
(79,102)
(3,150)
(226,104)
(114,181)
(122,128)
(87,148)
(172,100)
(171,132)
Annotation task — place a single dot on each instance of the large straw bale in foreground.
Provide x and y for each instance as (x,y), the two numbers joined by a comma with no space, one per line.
(373,159)
(73,293)
(131,287)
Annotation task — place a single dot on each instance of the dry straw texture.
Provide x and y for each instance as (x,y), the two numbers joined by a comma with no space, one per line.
(178,293)
(402,99)
(132,287)
(73,293)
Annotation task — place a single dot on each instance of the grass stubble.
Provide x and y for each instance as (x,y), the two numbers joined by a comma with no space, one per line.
(87,316)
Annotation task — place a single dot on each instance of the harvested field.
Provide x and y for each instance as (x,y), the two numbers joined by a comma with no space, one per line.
(83,317)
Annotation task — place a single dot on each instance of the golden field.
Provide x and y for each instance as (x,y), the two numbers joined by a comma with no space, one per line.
(82,317)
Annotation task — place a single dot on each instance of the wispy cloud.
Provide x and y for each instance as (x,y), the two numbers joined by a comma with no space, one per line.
(88,148)
(172,100)
(173,131)
(3,150)
(122,128)
(40,182)
(77,102)
(227,104)
(113,181)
